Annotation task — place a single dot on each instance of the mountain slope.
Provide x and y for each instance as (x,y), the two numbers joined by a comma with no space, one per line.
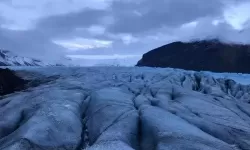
(211,55)
(9,59)
(111,108)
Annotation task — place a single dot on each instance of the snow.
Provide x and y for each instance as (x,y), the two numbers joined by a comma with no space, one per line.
(100,108)
(238,77)
(14,60)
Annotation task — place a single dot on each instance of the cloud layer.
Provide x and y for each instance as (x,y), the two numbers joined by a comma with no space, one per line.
(48,29)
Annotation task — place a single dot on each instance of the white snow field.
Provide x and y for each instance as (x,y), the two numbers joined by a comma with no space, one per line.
(126,108)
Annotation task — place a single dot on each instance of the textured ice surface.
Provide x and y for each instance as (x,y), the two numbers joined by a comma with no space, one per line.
(122,108)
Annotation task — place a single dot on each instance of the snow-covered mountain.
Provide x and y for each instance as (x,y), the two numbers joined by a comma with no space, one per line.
(8,58)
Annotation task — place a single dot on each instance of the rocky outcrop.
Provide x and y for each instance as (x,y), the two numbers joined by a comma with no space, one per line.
(126,108)
(10,82)
(210,55)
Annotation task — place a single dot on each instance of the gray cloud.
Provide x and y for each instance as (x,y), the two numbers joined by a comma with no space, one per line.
(133,16)
(64,24)
(117,26)
(31,44)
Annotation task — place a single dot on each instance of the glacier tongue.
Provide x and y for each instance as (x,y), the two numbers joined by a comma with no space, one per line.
(111,108)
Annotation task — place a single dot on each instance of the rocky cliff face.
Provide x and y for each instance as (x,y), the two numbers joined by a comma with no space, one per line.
(211,55)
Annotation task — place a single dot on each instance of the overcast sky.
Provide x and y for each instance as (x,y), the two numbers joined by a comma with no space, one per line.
(98,31)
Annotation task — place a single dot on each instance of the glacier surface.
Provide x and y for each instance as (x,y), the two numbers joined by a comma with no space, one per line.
(126,108)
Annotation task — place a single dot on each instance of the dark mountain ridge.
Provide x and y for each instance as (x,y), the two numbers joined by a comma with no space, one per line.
(209,55)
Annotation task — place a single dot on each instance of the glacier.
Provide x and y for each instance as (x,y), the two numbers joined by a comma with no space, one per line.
(126,108)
